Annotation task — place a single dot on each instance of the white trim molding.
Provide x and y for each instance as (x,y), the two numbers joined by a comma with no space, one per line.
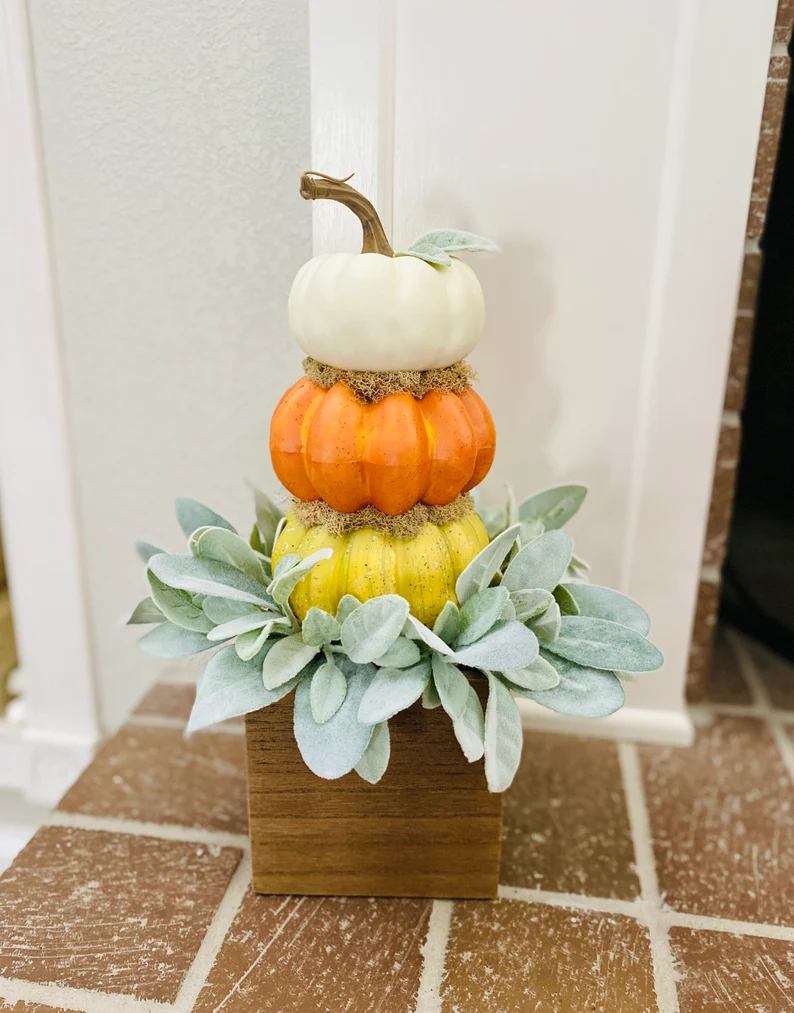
(58,724)
(630,724)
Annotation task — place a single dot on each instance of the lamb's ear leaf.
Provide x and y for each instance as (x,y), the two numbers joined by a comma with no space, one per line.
(469,728)
(566,601)
(452,687)
(250,622)
(347,603)
(371,629)
(328,690)
(375,759)
(494,519)
(598,643)
(191,515)
(403,653)
(581,692)
(480,612)
(540,675)
(546,627)
(391,691)
(222,610)
(447,625)
(228,688)
(554,506)
(286,659)
(228,547)
(428,252)
(250,643)
(178,606)
(209,577)
(541,563)
(430,697)
(414,629)
(455,241)
(332,749)
(145,612)
(604,603)
(503,736)
(268,516)
(530,602)
(508,645)
(145,551)
(170,641)
(319,627)
(284,584)
(485,565)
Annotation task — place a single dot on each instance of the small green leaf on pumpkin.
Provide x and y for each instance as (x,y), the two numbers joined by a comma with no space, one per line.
(435,246)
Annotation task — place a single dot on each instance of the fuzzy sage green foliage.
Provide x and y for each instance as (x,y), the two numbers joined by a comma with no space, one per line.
(527,623)
(435,247)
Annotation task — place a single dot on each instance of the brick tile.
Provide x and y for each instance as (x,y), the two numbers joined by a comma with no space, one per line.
(785,14)
(168,700)
(155,774)
(736,386)
(776,673)
(722,490)
(702,644)
(751,274)
(110,912)
(722,820)
(324,955)
(719,971)
(726,683)
(565,821)
(9,1006)
(512,957)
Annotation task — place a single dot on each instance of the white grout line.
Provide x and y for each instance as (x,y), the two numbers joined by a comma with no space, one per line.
(428,999)
(775,719)
(751,246)
(664,972)
(213,938)
(737,928)
(574,901)
(163,831)
(79,1000)
(160,721)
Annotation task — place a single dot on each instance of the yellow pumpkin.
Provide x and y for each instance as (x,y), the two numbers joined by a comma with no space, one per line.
(367,563)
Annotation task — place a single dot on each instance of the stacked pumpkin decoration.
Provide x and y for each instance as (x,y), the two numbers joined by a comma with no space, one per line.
(383,438)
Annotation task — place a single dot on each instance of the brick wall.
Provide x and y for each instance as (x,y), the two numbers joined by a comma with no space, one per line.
(729,445)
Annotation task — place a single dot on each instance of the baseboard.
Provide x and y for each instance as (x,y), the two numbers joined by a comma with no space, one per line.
(41,764)
(664,728)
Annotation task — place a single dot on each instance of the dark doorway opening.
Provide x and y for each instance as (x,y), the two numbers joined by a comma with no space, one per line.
(758,585)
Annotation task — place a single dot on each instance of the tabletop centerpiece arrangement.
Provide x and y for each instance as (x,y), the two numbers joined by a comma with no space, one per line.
(377,635)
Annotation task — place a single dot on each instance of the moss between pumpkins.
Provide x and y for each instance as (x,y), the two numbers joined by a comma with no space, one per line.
(407,525)
(374,386)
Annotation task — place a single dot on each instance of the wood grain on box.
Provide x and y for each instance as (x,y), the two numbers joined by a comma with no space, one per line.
(429,828)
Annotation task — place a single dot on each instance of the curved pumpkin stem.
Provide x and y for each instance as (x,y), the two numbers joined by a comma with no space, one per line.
(317,186)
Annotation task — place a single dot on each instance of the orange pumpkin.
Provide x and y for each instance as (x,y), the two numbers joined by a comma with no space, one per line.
(391,453)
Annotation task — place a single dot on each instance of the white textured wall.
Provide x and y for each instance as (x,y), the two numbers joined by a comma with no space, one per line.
(173,137)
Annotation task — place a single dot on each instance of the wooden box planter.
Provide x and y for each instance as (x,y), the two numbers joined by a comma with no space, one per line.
(429,828)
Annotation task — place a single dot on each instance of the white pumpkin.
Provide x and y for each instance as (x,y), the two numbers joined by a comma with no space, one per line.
(377,311)
(368,311)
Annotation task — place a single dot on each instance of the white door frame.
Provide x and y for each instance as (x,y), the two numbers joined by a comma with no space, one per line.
(720,68)
(45,749)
